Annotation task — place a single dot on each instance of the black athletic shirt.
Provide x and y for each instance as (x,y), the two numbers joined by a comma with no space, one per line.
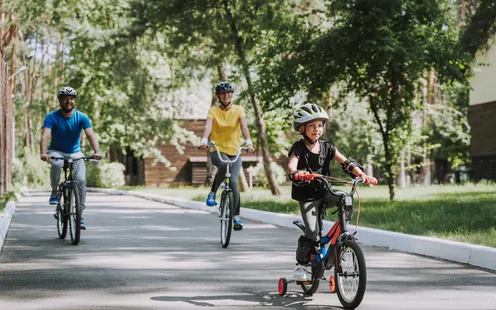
(313,163)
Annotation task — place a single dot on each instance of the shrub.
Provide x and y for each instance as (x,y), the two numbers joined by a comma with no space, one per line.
(19,177)
(258,172)
(37,172)
(107,175)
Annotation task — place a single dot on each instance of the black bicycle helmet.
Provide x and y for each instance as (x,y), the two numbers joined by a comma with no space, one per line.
(224,87)
(67,90)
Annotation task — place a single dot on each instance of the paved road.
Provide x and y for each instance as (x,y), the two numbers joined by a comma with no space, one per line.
(139,254)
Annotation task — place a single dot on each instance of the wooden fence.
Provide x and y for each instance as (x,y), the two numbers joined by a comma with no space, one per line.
(6,130)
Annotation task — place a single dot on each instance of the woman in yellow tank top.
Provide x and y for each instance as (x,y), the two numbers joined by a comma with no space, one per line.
(225,123)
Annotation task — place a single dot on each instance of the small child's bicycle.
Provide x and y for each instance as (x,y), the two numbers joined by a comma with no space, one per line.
(338,249)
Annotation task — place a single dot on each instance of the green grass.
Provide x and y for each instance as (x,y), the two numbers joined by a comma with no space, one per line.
(463,213)
(5,198)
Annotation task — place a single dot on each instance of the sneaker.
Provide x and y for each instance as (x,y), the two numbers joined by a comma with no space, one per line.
(300,274)
(54,199)
(83,225)
(211,199)
(238,224)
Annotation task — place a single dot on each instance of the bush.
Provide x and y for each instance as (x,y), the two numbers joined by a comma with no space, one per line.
(19,177)
(258,172)
(106,175)
(37,172)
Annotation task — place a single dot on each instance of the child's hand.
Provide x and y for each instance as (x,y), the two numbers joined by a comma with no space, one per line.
(299,176)
(368,179)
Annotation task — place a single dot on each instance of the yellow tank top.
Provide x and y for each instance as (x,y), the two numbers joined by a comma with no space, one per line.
(226,131)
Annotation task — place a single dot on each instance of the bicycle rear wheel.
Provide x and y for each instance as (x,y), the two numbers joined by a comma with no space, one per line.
(226,218)
(61,216)
(350,275)
(75,214)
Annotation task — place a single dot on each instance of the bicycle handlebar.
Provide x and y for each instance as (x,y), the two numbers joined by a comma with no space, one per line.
(87,158)
(312,176)
(242,148)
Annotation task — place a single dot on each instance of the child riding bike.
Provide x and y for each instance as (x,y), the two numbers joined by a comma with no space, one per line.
(311,155)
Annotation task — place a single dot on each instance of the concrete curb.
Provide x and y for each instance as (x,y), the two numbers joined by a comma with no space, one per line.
(474,255)
(5,219)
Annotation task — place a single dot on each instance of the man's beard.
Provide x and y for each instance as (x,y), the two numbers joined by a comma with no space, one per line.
(66,110)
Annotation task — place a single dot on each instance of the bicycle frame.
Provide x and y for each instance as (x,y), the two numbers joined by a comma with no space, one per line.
(339,230)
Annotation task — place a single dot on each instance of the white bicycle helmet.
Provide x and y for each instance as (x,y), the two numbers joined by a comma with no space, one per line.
(307,113)
(67,90)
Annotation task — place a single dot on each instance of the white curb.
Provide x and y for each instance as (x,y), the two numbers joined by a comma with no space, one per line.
(474,255)
(5,219)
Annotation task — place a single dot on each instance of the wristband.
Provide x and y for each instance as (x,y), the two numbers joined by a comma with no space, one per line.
(204,141)
(249,142)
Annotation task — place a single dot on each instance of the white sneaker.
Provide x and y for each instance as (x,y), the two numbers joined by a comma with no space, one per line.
(300,273)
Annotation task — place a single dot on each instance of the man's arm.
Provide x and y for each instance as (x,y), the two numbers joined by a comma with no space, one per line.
(45,136)
(93,142)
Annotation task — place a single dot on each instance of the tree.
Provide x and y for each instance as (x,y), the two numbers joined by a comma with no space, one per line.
(230,28)
(378,52)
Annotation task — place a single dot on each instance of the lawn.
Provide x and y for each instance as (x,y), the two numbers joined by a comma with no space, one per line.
(464,213)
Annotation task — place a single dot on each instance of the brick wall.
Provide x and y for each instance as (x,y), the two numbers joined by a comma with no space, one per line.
(186,172)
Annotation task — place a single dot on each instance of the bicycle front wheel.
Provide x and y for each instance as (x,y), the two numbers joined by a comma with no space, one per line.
(350,275)
(61,216)
(75,214)
(226,218)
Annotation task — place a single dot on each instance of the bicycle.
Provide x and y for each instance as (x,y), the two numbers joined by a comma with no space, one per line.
(226,207)
(68,210)
(338,249)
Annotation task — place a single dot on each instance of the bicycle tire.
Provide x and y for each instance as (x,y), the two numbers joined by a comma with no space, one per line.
(226,218)
(313,286)
(74,215)
(350,301)
(62,219)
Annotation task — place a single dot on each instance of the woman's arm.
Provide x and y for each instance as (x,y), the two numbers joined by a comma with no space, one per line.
(206,133)
(246,133)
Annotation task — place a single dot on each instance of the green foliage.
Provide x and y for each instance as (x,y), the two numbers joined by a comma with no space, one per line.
(105,175)
(377,53)
(18,173)
(259,172)
(6,197)
(37,171)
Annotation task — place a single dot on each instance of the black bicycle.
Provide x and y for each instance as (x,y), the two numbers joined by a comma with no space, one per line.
(226,207)
(68,210)
(337,249)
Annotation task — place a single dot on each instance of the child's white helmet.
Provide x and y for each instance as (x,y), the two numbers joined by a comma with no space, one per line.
(307,113)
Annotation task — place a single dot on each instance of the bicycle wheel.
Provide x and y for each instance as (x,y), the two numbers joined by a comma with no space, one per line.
(350,275)
(61,217)
(74,215)
(226,218)
(310,287)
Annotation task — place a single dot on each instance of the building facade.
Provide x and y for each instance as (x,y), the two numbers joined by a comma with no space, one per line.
(482,117)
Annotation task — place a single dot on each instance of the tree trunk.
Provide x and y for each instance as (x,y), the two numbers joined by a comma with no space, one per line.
(243,184)
(274,187)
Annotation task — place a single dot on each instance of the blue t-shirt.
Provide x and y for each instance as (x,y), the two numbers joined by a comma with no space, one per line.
(66,132)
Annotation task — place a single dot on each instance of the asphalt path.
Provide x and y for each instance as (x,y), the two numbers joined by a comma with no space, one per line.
(141,254)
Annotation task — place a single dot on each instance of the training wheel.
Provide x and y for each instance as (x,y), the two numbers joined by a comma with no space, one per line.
(332,284)
(282,286)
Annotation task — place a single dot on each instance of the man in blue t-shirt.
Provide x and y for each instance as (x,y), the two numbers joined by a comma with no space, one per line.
(64,126)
